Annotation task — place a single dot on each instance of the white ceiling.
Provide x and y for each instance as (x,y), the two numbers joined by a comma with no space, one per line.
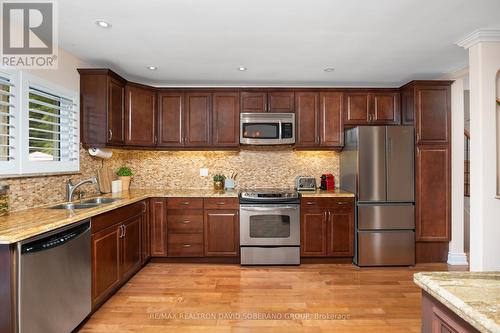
(282,42)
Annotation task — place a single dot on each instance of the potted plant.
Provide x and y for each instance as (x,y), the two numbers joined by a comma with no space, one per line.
(124,174)
(219,182)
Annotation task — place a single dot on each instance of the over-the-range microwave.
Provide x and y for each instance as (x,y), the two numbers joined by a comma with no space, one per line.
(267,128)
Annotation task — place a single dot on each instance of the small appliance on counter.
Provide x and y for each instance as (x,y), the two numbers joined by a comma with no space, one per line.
(327,182)
(305,183)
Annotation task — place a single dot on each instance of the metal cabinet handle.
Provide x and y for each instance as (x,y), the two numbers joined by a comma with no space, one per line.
(418,137)
(186,245)
(184,203)
(124,230)
(185,221)
(342,203)
(156,139)
(144,208)
(309,203)
(221,203)
(110,134)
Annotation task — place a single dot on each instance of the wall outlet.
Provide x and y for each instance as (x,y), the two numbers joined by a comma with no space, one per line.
(203,172)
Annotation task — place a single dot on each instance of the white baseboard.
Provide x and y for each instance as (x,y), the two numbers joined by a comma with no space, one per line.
(457,258)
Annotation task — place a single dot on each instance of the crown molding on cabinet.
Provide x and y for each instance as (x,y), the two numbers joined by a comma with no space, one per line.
(479,36)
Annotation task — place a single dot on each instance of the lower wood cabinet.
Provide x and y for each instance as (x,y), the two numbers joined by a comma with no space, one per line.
(158,226)
(116,249)
(327,227)
(222,233)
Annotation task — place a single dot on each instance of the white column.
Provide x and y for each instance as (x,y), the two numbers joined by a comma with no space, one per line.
(456,254)
(484,63)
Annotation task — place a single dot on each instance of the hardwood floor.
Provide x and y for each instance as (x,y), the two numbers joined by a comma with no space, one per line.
(228,298)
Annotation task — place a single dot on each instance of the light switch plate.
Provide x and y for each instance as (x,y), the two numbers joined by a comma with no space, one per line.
(203,172)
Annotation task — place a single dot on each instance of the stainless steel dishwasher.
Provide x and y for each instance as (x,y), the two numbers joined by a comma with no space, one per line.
(54,280)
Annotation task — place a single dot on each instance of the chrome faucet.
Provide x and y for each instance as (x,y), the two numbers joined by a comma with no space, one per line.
(70,188)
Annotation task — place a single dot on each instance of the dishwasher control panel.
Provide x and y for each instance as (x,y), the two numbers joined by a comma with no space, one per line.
(54,240)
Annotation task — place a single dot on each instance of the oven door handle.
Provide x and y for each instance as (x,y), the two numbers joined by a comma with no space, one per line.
(269,208)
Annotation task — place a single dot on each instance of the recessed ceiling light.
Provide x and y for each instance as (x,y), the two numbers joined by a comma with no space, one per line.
(329,69)
(152,68)
(241,68)
(103,24)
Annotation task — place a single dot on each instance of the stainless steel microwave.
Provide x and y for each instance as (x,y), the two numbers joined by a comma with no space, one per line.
(267,128)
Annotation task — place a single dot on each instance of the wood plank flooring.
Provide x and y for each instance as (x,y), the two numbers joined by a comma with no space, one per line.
(228,298)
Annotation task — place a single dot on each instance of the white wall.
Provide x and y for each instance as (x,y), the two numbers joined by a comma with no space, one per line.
(484,59)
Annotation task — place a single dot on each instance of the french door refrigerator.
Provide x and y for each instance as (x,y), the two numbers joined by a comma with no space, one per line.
(377,164)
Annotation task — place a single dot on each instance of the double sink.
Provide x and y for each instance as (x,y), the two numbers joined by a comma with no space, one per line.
(89,203)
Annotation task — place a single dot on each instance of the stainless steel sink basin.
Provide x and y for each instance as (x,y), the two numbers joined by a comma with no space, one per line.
(99,200)
(71,205)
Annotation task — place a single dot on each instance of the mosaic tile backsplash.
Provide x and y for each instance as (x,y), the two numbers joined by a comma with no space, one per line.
(256,167)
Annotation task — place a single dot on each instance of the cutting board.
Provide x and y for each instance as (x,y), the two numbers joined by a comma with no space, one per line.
(105,177)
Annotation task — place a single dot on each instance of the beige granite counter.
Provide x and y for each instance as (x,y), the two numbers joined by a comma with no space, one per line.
(327,194)
(475,297)
(24,224)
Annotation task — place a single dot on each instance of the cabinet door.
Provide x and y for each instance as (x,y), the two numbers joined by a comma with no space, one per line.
(432,114)
(105,263)
(408,105)
(340,233)
(197,123)
(433,193)
(131,246)
(331,123)
(226,119)
(170,119)
(313,233)
(116,112)
(222,233)
(280,101)
(253,101)
(146,234)
(141,116)
(307,119)
(158,221)
(356,108)
(386,108)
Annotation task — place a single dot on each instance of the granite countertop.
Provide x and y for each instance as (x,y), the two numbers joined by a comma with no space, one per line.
(327,194)
(475,297)
(24,224)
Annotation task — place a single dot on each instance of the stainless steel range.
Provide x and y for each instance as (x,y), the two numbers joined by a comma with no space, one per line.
(270,227)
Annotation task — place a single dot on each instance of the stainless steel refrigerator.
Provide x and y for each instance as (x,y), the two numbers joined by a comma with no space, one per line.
(377,164)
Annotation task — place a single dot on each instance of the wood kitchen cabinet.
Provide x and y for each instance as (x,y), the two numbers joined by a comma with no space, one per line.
(221,227)
(140,116)
(170,119)
(226,119)
(319,120)
(198,119)
(116,249)
(267,101)
(185,227)
(327,227)
(158,223)
(102,108)
(372,107)
(146,235)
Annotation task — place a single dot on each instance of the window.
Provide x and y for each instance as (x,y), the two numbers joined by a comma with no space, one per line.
(42,134)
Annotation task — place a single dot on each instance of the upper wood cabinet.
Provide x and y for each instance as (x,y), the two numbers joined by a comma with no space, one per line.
(102,108)
(225,119)
(307,119)
(198,119)
(140,116)
(426,104)
(170,119)
(267,101)
(319,120)
(372,107)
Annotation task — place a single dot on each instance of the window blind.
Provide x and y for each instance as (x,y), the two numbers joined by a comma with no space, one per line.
(6,120)
(52,127)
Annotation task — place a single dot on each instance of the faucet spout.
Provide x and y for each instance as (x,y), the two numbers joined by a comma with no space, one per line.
(70,188)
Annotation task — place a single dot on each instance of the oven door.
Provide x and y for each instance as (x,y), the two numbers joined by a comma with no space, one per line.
(269,225)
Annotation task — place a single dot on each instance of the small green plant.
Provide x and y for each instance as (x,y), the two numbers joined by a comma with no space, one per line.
(219,178)
(124,172)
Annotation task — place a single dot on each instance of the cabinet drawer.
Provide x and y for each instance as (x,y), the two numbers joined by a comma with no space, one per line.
(185,221)
(221,203)
(185,245)
(331,203)
(103,221)
(185,203)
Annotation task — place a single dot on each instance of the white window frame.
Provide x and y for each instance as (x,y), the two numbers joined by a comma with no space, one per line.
(44,167)
(12,166)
